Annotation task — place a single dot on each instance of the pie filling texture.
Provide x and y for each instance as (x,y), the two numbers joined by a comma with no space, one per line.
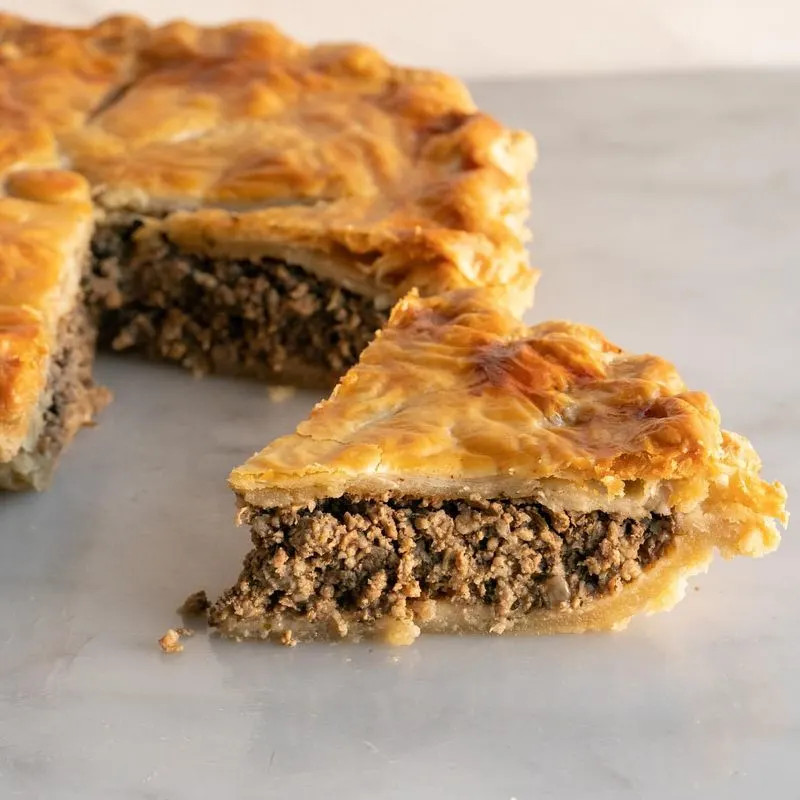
(71,400)
(473,474)
(260,318)
(359,558)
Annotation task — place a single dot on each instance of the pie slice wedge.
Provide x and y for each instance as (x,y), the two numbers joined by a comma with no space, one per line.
(472,474)
(46,335)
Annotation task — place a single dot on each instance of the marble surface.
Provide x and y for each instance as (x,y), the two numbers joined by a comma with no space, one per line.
(666,211)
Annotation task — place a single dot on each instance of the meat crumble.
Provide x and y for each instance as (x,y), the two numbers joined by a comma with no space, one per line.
(372,557)
(261,319)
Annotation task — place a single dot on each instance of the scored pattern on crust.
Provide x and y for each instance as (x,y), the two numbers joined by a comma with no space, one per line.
(52,79)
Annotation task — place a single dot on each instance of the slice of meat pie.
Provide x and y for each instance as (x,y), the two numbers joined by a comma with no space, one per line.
(472,474)
(46,338)
(263,204)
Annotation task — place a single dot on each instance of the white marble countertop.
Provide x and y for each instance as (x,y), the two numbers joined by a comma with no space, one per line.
(666,214)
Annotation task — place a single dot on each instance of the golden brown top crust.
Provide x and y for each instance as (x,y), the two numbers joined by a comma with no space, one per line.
(45,224)
(52,79)
(243,115)
(373,166)
(377,174)
(456,397)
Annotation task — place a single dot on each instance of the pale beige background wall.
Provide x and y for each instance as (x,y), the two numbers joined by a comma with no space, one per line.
(502,37)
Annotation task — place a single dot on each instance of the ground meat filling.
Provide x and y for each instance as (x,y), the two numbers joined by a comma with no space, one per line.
(75,398)
(373,557)
(73,401)
(255,318)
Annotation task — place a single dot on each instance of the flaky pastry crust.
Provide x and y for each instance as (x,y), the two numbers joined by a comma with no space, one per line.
(384,176)
(457,398)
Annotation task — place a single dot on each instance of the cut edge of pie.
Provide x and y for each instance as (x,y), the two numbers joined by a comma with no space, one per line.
(47,338)
(472,474)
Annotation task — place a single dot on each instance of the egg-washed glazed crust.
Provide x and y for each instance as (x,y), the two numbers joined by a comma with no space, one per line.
(53,78)
(385,175)
(45,225)
(457,398)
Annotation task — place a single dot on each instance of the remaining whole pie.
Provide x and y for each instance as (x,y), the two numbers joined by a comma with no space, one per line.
(257,206)
(472,474)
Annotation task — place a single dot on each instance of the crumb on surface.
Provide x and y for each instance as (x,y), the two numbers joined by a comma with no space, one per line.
(399,633)
(280,394)
(287,639)
(195,604)
(187,632)
(170,642)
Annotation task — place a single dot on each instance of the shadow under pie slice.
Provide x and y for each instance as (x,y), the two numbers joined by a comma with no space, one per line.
(473,474)
(47,338)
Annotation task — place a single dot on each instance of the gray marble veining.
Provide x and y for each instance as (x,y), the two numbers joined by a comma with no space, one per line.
(666,214)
